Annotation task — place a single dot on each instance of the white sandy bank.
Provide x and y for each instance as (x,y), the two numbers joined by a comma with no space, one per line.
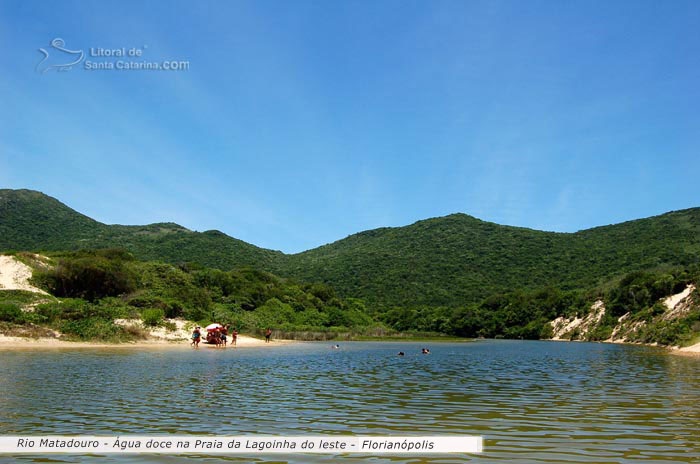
(693,349)
(15,275)
(22,343)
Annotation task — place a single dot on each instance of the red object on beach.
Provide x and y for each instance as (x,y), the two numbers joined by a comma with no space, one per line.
(213,327)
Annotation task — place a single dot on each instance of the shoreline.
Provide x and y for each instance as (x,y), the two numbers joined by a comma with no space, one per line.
(692,350)
(16,343)
(29,343)
(8,342)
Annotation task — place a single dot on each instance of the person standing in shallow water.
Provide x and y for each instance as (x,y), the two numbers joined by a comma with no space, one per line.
(268,334)
(196,337)
(224,334)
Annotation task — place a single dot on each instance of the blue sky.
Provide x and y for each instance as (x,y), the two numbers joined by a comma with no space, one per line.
(299,123)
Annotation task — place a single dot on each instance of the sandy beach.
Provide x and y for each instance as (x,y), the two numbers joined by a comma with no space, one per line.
(27,343)
(15,275)
(692,350)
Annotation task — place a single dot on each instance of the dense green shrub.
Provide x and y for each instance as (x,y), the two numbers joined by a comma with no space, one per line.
(673,332)
(93,328)
(21,297)
(10,312)
(68,309)
(89,278)
(153,316)
(639,290)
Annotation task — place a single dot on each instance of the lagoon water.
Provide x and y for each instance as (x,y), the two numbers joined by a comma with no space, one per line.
(534,402)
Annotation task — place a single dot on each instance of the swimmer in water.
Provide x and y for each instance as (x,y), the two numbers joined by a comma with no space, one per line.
(401,353)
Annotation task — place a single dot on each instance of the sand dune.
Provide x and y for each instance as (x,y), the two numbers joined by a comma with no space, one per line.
(15,275)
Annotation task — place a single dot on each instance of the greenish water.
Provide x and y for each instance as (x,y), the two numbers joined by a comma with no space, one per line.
(532,401)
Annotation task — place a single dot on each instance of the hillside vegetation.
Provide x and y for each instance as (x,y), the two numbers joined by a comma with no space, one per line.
(451,261)
(30,220)
(528,314)
(644,307)
(91,289)
(459,259)
(454,274)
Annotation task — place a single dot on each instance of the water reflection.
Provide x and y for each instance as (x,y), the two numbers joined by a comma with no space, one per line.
(532,401)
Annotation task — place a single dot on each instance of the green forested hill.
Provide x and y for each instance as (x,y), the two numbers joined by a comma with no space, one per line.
(449,261)
(30,220)
(458,259)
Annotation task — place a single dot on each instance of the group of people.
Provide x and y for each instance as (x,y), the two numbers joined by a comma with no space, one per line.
(422,350)
(400,353)
(219,336)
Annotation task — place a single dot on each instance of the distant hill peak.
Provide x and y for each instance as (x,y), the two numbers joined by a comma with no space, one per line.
(450,260)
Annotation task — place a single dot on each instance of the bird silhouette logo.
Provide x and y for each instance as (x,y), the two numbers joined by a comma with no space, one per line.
(61,54)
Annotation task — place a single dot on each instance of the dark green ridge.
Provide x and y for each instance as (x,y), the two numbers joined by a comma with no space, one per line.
(451,260)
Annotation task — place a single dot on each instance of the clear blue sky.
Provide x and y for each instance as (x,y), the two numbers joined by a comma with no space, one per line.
(299,123)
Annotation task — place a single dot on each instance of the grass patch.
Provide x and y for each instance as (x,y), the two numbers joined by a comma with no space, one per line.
(25,330)
(22,297)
